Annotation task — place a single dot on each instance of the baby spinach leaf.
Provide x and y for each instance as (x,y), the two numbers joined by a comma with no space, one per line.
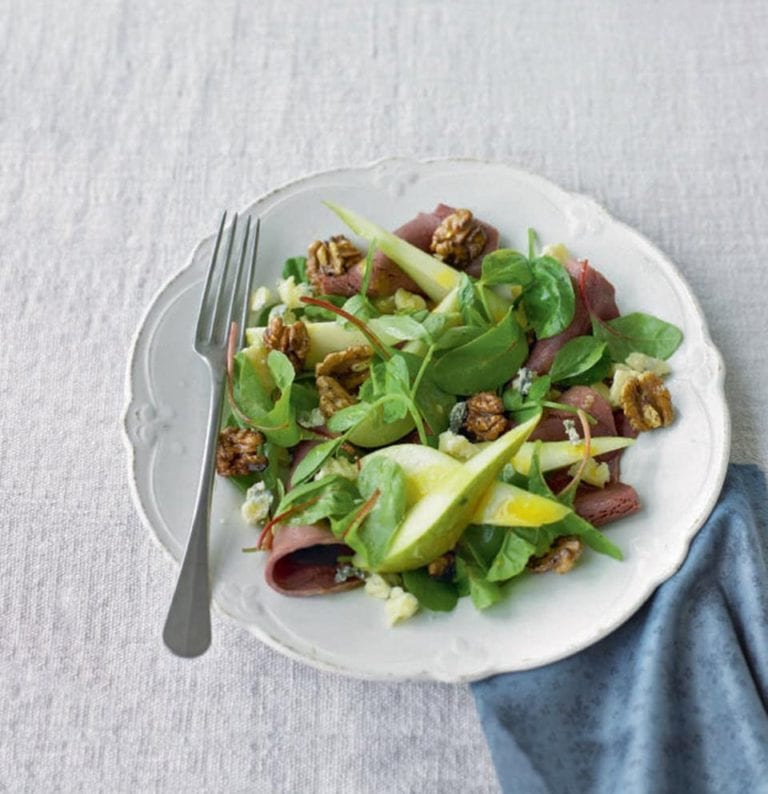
(431,593)
(281,369)
(638,332)
(349,417)
(250,395)
(511,558)
(435,326)
(480,544)
(360,307)
(485,362)
(371,538)
(296,266)
(330,497)
(549,299)
(314,459)
(320,314)
(577,357)
(483,592)
(506,266)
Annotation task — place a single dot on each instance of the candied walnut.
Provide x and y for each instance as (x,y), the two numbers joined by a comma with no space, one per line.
(238,452)
(646,402)
(443,568)
(333,396)
(339,376)
(561,557)
(293,340)
(485,420)
(332,257)
(349,367)
(458,239)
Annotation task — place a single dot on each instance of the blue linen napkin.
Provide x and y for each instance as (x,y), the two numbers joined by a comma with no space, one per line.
(676,700)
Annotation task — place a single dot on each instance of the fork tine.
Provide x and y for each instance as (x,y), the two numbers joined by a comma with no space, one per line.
(238,285)
(246,294)
(208,280)
(218,329)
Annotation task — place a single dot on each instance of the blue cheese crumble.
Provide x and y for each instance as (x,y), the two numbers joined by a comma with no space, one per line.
(258,500)
(570,430)
(523,380)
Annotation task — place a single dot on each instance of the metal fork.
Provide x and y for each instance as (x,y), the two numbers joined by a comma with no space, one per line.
(187,630)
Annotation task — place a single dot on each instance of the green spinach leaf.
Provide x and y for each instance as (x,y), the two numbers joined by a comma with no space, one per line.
(431,593)
(484,363)
(580,360)
(549,299)
(506,266)
(296,266)
(638,332)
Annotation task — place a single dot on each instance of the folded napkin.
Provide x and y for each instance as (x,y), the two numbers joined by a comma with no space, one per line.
(676,700)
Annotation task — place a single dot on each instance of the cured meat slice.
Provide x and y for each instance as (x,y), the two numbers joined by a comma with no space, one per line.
(604,505)
(304,561)
(551,427)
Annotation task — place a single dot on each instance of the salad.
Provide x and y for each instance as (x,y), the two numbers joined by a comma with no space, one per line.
(429,416)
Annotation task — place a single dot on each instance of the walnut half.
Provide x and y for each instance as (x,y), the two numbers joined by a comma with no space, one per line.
(560,558)
(293,340)
(339,376)
(458,239)
(646,401)
(238,452)
(485,420)
(332,257)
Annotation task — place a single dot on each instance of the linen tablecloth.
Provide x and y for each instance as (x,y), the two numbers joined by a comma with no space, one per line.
(125,128)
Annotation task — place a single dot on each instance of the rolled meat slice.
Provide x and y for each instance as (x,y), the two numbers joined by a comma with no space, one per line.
(304,561)
(604,505)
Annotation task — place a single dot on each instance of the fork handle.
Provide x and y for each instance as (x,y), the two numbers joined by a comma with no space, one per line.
(187,630)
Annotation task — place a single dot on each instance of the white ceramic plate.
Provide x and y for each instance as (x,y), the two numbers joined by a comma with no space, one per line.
(678,473)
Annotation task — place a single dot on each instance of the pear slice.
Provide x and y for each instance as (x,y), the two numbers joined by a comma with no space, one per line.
(435,522)
(435,277)
(558,454)
(502,505)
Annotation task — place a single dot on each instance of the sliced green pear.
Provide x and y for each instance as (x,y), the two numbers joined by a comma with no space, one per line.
(502,505)
(435,277)
(436,521)
(558,454)
(324,338)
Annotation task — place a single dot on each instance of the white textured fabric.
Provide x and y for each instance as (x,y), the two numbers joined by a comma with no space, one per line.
(125,128)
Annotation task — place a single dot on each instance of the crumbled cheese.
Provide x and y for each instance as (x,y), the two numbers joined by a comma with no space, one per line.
(281,310)
(346,571)
(571,431)
(313,418)
(408,301)
(400,605)
(621,374)
(594,473)
(523,380)
(377,586)
(635,364)
(456,446)
(642,363)
(291,293)
(556,251)
(262,296)
(340,466)
(258,500)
